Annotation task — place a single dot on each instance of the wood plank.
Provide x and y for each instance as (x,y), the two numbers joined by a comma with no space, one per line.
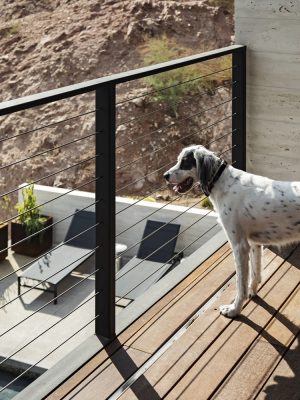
(247,378)
(109,375)
(175,316)
(83,390)
(224,352)
(185,351)
(140,325)
(284,382)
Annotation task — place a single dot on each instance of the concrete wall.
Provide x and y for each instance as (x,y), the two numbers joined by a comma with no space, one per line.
(66,203)
(271,30)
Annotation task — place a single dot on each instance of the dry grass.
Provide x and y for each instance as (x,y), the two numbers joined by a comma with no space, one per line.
(228,4)
(196,78)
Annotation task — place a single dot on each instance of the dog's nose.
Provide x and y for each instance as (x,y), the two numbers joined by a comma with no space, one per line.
(166,175)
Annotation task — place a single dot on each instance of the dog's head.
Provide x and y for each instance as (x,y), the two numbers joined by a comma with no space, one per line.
(195,164)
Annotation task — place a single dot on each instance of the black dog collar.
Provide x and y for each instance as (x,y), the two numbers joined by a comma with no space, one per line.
(216,176)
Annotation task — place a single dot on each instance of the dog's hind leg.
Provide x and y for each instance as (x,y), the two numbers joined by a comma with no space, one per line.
(241,255)
(255,269)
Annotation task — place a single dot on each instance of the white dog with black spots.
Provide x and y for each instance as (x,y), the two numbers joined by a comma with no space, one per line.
(252,209)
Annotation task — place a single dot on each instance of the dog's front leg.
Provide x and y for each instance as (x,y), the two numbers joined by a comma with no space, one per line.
(241,256)
(255,269)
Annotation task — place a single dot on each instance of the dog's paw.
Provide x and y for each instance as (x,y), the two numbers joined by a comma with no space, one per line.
(252,292)
(229,311)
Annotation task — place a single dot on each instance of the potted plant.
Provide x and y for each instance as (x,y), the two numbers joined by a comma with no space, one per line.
(5,205)
(29,222)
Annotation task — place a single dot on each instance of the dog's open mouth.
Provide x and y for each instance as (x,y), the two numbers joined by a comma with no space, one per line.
(184,186)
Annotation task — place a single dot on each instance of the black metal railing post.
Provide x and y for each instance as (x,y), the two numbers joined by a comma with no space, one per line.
(239,108)
(105,210)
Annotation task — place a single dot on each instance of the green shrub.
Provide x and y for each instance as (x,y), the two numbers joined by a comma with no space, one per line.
(29,214)
(158,50)
(206,203)
(12,30)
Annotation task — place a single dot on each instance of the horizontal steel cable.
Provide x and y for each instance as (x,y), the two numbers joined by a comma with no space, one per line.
(175,141)
(165,185)
(48,251)
(119,255)
(46,151)
(175,85)
(143,198)
(186,247)
(46,279)
(48,329)
(199,237)
(47,355)
(50,201)
(145,176)
(47,227)
(154,212)
(49,176)
(46,126)
(161,227)
(178,122)
(48,302)
(164,166)
(175,103)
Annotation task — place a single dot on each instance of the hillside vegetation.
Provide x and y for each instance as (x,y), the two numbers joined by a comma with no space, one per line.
(46,44)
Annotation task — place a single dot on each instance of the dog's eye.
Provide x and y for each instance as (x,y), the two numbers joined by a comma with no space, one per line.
(188,162)
(184,163)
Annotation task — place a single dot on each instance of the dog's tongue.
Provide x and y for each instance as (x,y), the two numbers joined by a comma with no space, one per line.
(177,188)
(183,186)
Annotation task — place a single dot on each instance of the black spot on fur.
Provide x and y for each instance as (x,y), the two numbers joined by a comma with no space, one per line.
(233,232)
(267,202)
(188,161)
(256,234)
(250,206)
(296,223)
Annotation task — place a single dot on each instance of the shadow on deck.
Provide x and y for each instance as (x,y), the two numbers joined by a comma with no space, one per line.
(182,348)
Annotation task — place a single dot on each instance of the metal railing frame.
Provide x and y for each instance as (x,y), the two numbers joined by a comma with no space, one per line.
(105,125)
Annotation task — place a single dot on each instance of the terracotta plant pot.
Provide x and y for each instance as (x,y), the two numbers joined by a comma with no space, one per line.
(34,246)
(3,241)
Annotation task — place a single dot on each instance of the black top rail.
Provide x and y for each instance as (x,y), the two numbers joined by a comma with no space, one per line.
(50,96)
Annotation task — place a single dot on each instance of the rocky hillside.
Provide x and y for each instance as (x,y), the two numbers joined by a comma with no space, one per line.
(46,44)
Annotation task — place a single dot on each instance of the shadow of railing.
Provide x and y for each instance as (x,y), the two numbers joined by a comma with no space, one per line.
(284,387)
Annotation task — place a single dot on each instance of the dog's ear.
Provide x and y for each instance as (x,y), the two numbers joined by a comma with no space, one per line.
(205,163)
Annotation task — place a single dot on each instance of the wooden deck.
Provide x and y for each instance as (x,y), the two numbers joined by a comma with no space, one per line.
(256,356)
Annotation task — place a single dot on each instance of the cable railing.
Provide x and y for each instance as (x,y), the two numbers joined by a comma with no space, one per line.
(176,103)
(87,227)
